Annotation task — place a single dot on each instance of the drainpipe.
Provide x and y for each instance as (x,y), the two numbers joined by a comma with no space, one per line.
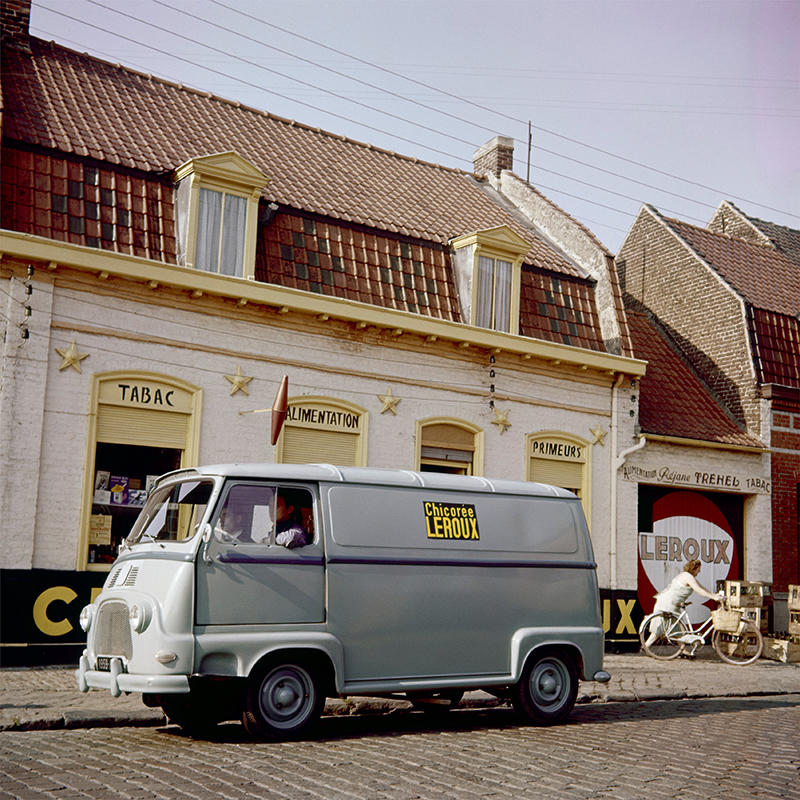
(618,459)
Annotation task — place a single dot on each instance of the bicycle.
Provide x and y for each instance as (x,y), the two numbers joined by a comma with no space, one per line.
(735,640)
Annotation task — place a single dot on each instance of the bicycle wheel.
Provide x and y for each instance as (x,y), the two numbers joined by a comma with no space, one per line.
(659,634)
(741,648)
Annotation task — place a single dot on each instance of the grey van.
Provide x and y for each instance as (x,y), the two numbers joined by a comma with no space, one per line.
(255,591)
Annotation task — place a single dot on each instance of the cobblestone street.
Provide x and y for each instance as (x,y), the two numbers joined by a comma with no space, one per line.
(735,747)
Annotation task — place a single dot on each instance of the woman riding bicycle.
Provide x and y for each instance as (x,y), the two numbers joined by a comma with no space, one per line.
(674,597)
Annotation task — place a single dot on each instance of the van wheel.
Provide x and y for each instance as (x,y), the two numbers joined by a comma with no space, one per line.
(548,687)
(435,702)
(282,700)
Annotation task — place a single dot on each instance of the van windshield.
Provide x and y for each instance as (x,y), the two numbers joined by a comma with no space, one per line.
(173,512)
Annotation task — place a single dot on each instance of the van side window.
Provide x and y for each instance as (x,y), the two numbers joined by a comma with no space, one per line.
(246,515)
(266,514)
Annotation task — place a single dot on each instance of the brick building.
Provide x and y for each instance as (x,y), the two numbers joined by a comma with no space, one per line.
(727,297)
(168,255)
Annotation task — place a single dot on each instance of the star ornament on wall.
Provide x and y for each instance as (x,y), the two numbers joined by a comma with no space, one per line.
(501,420)
(389,402)
(70,357)
(239,382)
(599,435)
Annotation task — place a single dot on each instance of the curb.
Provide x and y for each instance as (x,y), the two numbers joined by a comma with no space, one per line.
(72,720)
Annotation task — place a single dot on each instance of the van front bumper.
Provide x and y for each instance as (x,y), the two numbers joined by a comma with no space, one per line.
(117,681)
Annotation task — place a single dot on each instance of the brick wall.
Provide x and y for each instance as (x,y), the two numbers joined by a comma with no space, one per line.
(15,17)
(704,316)
(785,498)
(729,221)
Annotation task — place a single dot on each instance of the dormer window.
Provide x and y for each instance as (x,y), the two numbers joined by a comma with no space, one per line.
(493,296)
(488,265)
(217,211)
(221,224)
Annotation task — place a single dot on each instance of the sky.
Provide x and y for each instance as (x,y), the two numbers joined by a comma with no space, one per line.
(679,104)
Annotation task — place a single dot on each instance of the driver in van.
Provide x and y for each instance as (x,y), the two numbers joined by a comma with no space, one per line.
(290,532)
(231,525)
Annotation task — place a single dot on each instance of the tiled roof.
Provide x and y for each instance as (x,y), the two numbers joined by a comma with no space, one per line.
(357,264)
(48,195)
(787,240)
(777,347)
(58,99)
(673,401)
(764,277)
(558,310)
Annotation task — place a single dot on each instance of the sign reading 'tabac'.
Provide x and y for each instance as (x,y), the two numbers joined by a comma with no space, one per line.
(686,525)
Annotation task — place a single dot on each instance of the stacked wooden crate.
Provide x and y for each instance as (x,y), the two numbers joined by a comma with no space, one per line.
(752,598)
(749,598)
(786,647)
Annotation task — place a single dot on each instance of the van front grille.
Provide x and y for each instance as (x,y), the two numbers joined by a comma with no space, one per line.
(113,634)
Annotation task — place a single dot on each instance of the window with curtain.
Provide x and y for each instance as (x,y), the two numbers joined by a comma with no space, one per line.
(221,223)
(493,294)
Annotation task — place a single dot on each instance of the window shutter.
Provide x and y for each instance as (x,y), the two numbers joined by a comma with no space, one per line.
(143,426)
(566,474)
(314,446)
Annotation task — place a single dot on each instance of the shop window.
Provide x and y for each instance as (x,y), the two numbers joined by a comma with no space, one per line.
(123,475)
(142,425)
(216,208)
(488,265)
(451,446)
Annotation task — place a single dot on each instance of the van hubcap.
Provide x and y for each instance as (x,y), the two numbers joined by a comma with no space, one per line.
(548,683)
(287,696)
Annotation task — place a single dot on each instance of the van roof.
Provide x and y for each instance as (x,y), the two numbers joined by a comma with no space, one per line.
(372,475)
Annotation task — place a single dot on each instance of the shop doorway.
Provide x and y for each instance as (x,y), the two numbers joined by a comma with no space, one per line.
(677,525)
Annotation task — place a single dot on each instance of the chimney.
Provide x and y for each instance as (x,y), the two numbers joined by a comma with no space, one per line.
(15,18)
(493,157)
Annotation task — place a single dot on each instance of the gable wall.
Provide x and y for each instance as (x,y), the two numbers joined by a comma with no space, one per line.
(706,318)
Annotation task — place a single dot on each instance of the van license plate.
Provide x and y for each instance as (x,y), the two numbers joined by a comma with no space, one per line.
(104,663)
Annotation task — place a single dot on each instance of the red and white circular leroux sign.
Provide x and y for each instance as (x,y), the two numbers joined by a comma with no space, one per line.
(686,525)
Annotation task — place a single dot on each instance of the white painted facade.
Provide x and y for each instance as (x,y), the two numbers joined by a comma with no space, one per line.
(136,330)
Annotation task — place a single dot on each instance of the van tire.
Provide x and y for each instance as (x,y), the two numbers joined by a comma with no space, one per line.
(546,692)
(283,700)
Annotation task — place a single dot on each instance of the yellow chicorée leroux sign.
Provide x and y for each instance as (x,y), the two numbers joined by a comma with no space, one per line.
(145,394)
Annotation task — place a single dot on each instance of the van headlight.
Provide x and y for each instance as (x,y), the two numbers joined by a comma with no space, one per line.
(86,617)
(139,615)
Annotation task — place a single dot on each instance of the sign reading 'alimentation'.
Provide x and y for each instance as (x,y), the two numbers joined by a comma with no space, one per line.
(451,520)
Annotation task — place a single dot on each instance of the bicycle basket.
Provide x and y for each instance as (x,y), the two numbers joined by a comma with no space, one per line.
(726,620)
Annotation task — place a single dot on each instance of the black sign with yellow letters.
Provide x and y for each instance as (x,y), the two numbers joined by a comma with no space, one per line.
(451,521)
(39,611)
